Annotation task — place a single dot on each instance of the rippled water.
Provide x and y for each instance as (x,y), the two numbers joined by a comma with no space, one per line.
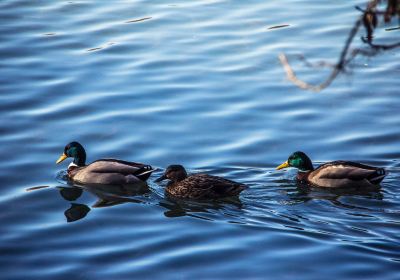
(196,83)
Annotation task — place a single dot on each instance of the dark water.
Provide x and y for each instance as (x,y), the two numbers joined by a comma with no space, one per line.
(196,83)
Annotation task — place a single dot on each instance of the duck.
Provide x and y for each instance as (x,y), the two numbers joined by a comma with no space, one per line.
(198,186)
(103,171)
(335,174)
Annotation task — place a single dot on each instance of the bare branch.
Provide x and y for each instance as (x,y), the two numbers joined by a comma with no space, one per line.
(345,56)
(301,84)
(337,68)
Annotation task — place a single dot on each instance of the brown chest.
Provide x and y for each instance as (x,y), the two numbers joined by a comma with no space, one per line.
(302,177)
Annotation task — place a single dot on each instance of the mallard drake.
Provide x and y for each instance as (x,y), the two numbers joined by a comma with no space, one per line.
(103,171)
(336,174)
(198,186)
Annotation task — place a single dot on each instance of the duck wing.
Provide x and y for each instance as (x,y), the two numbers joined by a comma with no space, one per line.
(113,171)
(116,165)
(339,174)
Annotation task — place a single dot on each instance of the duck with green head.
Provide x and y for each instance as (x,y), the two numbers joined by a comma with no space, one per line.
(103,171)
(336,174)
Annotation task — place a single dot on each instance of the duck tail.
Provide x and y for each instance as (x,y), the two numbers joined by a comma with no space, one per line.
(144,172)
(237,189)
(378,176)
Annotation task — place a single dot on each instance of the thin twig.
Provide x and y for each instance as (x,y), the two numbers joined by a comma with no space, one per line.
(344,57)
(336,67)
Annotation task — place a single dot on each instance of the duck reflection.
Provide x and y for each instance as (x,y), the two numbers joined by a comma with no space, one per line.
(111,195)
(106,196)
(76,212)
(176,207)
(301,193)
(71,193)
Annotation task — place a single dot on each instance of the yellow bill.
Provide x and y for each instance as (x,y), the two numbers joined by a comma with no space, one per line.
(61,158)
(283,165)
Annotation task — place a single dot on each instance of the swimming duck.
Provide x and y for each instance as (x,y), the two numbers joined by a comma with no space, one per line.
(336,174)
(103,171)
(198,186)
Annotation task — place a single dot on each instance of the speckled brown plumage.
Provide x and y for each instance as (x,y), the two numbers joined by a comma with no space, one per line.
(204,186)
(199,186)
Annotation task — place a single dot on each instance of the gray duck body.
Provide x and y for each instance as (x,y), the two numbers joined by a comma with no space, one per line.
(335,174)
(103,171)
(346,174)
(110,172)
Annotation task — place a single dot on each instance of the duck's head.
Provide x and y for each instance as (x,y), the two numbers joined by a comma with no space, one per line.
(175,173)
(76,151)
(298,160)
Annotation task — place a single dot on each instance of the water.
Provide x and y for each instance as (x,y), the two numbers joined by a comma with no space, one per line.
(196,83)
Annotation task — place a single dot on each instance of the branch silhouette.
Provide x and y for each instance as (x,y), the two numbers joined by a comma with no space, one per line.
(368,19)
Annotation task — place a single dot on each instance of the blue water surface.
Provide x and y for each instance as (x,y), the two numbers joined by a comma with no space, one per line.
(197,83)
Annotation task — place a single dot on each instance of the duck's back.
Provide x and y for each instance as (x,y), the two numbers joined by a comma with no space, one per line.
(343,174)
(204,186)
(111,171)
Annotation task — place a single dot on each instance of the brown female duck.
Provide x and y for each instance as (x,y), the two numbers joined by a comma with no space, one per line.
(103,171)
(198,186)
(336,174)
